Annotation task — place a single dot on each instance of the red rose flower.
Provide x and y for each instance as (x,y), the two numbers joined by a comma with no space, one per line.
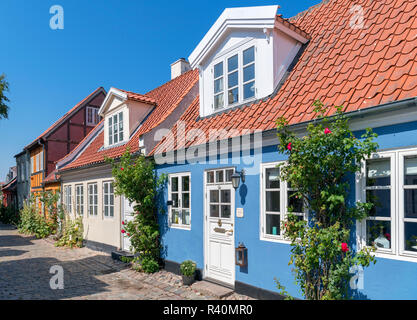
(327,131)
(345,247)
(123,231)
(123,222)
(388,236)
(121,169)
(128,234)
(289,147)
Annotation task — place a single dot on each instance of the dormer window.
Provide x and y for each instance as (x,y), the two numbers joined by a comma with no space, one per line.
(244,57)
(116,128)
(240,75)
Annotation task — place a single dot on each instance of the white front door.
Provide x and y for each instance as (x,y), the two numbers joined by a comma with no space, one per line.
(219,233)
(127,215)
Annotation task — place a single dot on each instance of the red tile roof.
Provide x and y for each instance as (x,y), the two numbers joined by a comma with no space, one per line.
(138,97)
(167,98)
(354,67)
(65,116)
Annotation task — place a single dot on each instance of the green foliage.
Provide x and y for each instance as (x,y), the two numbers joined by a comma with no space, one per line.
(4,87)
(126,259)
(33,222)
(136,180)
(318,167)
(188,268)
(9,215)
(72,234)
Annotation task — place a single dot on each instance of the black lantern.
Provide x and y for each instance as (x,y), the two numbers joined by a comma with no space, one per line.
(236,178)
(241,255)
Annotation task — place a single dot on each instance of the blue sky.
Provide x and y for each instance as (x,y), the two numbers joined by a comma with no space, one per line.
(126,44)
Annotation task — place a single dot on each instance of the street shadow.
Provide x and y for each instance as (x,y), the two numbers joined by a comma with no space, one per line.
(29,279)
(7,227)
(16,241)
(11,252)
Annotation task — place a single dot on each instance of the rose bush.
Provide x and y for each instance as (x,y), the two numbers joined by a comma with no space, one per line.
(319,166)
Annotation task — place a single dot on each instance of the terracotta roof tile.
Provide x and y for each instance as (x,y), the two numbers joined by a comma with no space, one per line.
(357,68)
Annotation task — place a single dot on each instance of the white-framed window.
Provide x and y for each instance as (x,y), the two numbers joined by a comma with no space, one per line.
(68,199)
(222,176)
(179,192)
(234,78)
(389,181)
(115,127)
(79,199)
(277,198)
(108,199)
(92,116)
(40,161)
(92,197)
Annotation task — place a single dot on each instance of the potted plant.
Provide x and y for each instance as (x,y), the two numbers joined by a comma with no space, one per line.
(188,269)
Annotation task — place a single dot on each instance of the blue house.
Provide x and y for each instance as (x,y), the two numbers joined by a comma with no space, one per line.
(256,66)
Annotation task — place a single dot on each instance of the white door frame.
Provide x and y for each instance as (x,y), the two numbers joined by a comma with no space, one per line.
(206,224)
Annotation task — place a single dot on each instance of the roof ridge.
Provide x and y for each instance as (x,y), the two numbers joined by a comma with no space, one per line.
(307,11)
(172,80)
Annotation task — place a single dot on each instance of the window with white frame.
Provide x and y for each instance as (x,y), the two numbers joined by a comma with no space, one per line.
(92,116)
(390,183)
(277,200)
(79,199)
(116,128)
(68,198)
(92,199)
(234,79)
(108,199)
(179,189)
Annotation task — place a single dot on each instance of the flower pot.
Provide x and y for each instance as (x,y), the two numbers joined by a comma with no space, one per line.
(188,280)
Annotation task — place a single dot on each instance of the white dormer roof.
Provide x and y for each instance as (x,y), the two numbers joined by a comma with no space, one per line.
(247,18)
(112,92)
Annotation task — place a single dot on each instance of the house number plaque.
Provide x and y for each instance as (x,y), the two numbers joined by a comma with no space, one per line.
(239,212)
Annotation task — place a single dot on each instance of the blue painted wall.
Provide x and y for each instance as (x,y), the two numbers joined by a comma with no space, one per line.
(388,279)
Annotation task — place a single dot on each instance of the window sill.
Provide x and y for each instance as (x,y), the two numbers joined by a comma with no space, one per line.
(181,227)
(392,256)
(242,103)
(277,239)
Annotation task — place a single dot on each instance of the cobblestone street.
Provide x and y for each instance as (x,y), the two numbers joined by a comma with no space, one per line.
(25,263)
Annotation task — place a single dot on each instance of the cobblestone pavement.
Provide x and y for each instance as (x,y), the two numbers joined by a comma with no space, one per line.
(25,263)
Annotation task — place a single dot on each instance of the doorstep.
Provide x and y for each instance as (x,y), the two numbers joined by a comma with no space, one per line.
(211,289)
(116,255)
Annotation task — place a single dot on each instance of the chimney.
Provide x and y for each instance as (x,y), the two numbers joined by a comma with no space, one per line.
(179,67)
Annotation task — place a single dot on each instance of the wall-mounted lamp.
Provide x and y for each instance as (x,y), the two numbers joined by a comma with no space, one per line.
(236,178)
(241,255)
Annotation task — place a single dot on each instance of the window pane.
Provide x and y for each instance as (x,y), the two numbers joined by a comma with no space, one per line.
(248,55)
(249,90)
(186,200)
(272,178)
(382,202)
(249,73)
(111,211)
(186,217)
(218,101)
(174,184)
(229,174)
(378,233)
(272,201)
(175,216)
(210,177)
(225,196)
(232,80)
(410,236)
(410,203)
(233,96)
(218,85)
(106,211)
(378,172)
(185,183)
(214,196)
(410,171)
(225,211)
(106,199)
(174,200)
(214,210)
(219,176)
(294,202)
(218,70)
(273,224)
(232,63)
